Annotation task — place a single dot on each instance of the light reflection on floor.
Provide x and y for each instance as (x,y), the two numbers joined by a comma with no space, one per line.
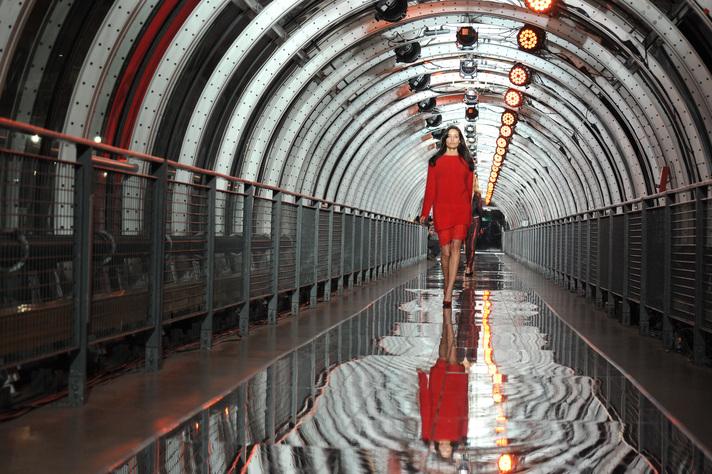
(496,401)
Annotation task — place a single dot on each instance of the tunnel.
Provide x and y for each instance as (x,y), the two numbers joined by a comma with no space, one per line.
(355,236)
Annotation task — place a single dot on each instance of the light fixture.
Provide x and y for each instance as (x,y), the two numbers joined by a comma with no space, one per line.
(505,131)
(471,97)
(502,142)
(540,6)
(505,463)
(468,68)
(471,113)
(419,83)
(509,117)
(469,129)
(426,105)
(513,98)
(496,168)
(408,53)
(530,38)
(466,37)
(391,10)
(97,139)
(497,159)
(471,140)
(434,121)
(520,75)
(35,138)
(438,134)
(500,151)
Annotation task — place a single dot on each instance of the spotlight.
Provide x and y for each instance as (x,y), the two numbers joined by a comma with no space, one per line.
(509,117)
(530,38)
(496,167)
(497,160)
(471,140)
(408,53)
(505,463)
(35,138)
(97,139)
(466,37)
(540,6)
(426,105)
(391,10)
(513,98)
(502,142)
(505,131)
(468,68)
(519,75)
(419,83)
(471,97)
(434,121)
(469,129)
(471,113)
(438,134)
(501,151)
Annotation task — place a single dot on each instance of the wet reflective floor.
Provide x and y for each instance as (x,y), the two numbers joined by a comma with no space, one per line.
(475,388)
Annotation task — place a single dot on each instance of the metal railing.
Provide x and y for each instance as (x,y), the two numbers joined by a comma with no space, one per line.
(649,261)
(115,243)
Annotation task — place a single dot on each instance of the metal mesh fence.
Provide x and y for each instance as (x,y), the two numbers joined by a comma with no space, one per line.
(229,249)
(348,243)
(287,246)
(338,227)
(223,436)
(604,251)
(323,243)
(121,254)
(182,450)
(682,272)
(593,250)
(261,264)
(307,252)
(36,262)
(654,257)
(185,252)
(635,249)
(617,253)
(707,257)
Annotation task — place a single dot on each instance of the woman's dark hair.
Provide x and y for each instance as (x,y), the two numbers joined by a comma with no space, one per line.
(461,149)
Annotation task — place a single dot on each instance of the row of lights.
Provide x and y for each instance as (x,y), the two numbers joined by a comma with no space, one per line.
(36,139)
(530,39)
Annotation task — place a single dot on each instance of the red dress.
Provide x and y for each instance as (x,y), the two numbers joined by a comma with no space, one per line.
(443,402)
(448,191)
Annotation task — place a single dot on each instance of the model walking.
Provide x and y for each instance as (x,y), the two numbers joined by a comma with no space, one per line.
(448,191)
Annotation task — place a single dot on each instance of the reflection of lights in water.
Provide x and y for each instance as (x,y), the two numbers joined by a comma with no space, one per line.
(502,442)
(505,463)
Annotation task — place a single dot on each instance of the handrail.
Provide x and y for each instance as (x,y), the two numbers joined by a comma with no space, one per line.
(681,189)
(27,128)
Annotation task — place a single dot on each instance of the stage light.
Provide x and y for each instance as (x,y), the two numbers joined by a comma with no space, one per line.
(466,37)
(509,117)
(513,98)
(530,38)
(97,139)
(501,151)
(35,138)
(494,175)
(520,75)
(438,134)
(426,105)
(471,113)
(497,160)
(505,463)
(471,140)
(540,6)
(471,97)
(468,68)
(505,131)
(434,121)
(419,83)
(391,10)
(469,129)
(408,53)
(496,168)
(502,142)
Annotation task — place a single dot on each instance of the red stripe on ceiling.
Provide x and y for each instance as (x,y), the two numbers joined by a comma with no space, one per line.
(138,58)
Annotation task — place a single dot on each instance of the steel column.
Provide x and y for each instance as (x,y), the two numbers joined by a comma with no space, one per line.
(154,345)
(247,223)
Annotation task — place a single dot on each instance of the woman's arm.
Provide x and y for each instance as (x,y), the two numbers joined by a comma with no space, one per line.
(429,193)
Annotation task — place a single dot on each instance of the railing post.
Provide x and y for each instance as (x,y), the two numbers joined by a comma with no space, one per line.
(342,271)
(206,328)
(644,323)
(81,269)
(699,350)
(313,291)
(329,255)
(275,232)
(625,313)
(154,345)
(298,256)
(667,277)
(247,211)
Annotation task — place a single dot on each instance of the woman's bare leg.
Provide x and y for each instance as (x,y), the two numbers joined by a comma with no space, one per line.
(453,264)
(445,263)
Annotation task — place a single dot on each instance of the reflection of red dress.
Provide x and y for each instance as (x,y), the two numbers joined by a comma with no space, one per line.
(443,402)
(448,190)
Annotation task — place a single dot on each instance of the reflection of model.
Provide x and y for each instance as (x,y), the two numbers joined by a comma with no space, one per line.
(473,231)
(443,395)
(448,191)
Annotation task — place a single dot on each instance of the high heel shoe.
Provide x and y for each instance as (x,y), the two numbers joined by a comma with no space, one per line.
(447,304)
